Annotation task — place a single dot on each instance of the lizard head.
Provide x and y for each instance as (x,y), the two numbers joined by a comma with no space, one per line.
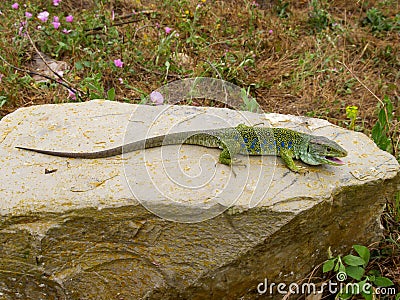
(321,150)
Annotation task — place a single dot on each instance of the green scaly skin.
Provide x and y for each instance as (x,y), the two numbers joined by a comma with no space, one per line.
(245,140)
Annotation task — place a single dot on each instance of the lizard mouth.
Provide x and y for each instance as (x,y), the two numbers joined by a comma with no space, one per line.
(334,160)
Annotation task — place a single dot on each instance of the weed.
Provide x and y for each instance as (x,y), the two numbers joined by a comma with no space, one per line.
(319,17)
(354,267)
(281,9)
(249,102)
(351,113)
(378,22)
(381,132)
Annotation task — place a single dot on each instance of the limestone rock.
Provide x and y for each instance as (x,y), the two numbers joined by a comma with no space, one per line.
(170,223)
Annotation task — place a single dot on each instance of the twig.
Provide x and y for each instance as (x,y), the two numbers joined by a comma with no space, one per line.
(362,83)
(140,28)
(76,92)
(212,67)
(144,12)
(113,25)
(41,75)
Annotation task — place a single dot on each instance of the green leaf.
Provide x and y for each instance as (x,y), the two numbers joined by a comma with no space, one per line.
(374,272)
(368,296)
(111,94)
(78,66)
(328,265)
(397,296)
(353,260)
(383,281)
(389,107)
(344,296)
(365,287)
(363,252)
(355,272)
(3,100)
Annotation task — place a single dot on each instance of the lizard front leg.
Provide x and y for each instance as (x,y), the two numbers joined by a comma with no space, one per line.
(287,156)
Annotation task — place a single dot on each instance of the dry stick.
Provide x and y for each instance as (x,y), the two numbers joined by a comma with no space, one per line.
(143,12)
(122,23)
(67,84)
(140,28)
(363,84)
(355,76)
(372,93)
(38,74)
(113,25)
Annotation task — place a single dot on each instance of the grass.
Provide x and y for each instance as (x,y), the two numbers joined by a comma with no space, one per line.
(338,60)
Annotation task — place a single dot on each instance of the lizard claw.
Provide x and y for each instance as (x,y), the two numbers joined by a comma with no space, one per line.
(238,162)
(302,170)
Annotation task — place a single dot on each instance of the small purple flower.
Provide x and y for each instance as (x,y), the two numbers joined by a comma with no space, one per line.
(66,31)
(156,97)
(270,31)
(71,95)
(56,22)
(167,30)
(69,19)
(21,28)
(118,63)
(121,81)
(43,16)
(56,2)
(28,15)
(15,5)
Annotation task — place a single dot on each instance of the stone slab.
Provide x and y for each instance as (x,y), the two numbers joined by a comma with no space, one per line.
(102,228)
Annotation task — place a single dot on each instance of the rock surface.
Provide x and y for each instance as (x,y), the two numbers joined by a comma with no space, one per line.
(129,227)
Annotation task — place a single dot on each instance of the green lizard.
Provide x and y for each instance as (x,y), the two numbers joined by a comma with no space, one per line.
(245,140)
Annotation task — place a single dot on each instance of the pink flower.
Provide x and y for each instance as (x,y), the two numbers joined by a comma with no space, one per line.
(56,2)
(167,30)
(71,95)
(28,15)
(15,5)
(69,19)
(43,16)
(21,28)
(66,31)
(270,31)
(56,22)
(121,81)
(156,97)
(118,63)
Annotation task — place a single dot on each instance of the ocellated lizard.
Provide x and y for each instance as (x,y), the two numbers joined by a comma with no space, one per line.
(242,139)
